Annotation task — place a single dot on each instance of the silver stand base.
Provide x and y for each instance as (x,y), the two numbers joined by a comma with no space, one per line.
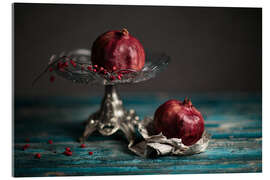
(111,117)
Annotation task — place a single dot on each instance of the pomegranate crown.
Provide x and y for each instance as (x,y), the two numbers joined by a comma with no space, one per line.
(125,32)
(187,102)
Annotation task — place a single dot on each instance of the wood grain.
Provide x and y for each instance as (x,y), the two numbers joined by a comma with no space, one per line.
(234,120)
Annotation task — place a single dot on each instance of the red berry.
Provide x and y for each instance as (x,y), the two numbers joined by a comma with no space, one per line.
(114,68)
(65,64)
(89,68)
(59,65)
(94,70)
(50,141)
(51,69)
(90,153)
(82,68)
(119,77)
(73,63)
(38,155)
(82,145)
(96,66)
(52,78)
(112,78)
(68,153)
(26,146)
(68,149)
(101,69)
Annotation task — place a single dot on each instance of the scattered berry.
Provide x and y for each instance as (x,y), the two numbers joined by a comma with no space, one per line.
(52,78)
(51,69)
(73,63)
(90,153)
(95,66)
(50,141)
(105,71)
(112,78)
(119,77)
(38,156)
(65,64)
(61,66)
(94,70)
(68,149)
(89,68)
(114,68)
(26,146)
(68,153)
(82,145)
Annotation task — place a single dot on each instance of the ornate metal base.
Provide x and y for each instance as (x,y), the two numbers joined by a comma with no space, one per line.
(111,117)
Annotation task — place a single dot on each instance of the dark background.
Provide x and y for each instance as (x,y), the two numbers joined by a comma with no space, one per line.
(212,49)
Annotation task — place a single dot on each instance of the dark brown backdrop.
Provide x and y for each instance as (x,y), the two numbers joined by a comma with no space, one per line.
(212,49)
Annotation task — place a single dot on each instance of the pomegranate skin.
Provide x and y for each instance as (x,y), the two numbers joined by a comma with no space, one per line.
(176,119)
(118,50)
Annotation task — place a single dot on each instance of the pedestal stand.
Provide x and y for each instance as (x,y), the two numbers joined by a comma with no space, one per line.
(111,117)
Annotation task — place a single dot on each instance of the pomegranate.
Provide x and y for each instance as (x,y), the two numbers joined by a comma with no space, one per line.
(118,50)
(176,119)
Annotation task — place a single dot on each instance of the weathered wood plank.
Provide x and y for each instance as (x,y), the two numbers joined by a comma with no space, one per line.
(233,120)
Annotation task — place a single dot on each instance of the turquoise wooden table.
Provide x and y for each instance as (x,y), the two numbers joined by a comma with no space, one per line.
(233,120)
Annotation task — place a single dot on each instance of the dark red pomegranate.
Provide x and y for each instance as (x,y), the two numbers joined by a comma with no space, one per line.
(118,50)
(176,119)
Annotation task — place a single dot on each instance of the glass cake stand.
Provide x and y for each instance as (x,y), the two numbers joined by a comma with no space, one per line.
(112,116)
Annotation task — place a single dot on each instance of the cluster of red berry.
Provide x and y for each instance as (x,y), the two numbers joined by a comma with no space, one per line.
(67,151)
(103,71)
(95,68)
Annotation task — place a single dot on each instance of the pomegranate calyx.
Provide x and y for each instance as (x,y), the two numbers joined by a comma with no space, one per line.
(125,32)
(187,102)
